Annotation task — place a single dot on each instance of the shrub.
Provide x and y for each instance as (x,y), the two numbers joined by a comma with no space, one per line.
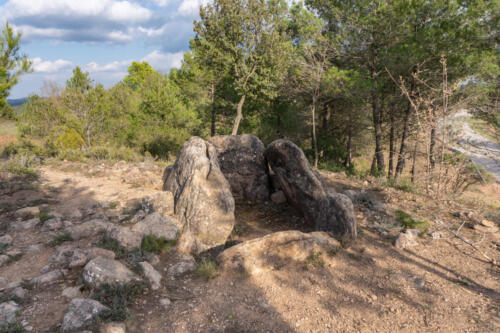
(315,259)
(117,297)
(14,327)
(408,222)
(152,243)
(70,139)
(22,164)
(112,244)
(207,269)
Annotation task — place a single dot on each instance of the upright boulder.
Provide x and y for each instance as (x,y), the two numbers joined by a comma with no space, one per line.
(203,202)
(327,210)
(242,161)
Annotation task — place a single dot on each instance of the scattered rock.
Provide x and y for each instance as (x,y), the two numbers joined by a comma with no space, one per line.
(126,237)
(52,224)
(88,229)
(81,313)
(204,204)
(185,265)
(19,292)
(437,235)
(94,252)
(27,212)
(158,225)
(25,225)
(8,312)
(3,259)
(276,250)
(72,292)
(102,270)
(405,240)
(69,256)
(278,197)
(46,269)
(486,223)
(47,278)
(5,241)
(160,202)
(35,248)
(241,160)
(482,228)
(165,302)
(151,274)
(113,328)
(152,258)
(328,211)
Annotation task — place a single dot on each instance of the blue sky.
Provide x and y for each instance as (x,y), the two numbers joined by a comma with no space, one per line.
(101,36)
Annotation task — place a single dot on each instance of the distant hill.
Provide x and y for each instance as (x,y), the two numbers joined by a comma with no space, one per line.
(17,101)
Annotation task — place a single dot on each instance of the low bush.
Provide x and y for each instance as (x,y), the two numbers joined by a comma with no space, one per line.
(117,297)
(410,223)
(154,244)
(61,238)
(207,269)
(315,260)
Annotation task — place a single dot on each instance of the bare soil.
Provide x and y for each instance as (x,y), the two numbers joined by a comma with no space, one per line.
(440,285)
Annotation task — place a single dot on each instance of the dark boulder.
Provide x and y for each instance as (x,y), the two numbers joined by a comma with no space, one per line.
(327,210)
(203,202)
(242,161)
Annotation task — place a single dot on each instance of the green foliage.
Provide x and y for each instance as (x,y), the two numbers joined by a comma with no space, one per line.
(23,164)
(60,238)
(206,269)
(410,223)
(154,244)
(402,184)
(118,297)
(316,260)
(138,73)
(69,140)
(43,216)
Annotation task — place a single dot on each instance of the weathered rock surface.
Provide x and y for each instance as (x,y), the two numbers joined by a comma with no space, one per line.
(102,270)
(52,224)
(327,210)
(81,314)
(158,225)
(406,240)
(185,265)
(47,278)
(113,328)
(276,250)
(278,197)
(69,256)
(160,202)
(151,274)
(5,240)
(27,212)
(241,160)
(88,229)
(25,225)
(204,204)
(8,312)
(72,292)
(126,237)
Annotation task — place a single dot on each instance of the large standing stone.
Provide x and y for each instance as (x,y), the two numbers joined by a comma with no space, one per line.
(276,250)
(327,210)
(242,161)
(103,270)
(81,314)
(204,204)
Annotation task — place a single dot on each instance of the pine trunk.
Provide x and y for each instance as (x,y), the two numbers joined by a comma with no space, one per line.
(239,115)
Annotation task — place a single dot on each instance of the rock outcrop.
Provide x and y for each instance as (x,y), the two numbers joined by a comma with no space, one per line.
(242,161)
(81,314)
(277,250)
(203,201)
(103,270)
(327,210)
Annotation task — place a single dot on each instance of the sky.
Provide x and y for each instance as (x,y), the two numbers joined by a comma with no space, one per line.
(101,36)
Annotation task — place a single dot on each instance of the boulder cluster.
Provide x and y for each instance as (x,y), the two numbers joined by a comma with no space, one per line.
(208,176)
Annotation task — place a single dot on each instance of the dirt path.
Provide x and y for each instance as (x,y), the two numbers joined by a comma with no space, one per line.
(480,150)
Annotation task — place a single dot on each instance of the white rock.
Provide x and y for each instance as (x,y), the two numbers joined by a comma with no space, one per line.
(72,292)
(8,312)
(80,314)
(47,278)
(153,276)
(102,270)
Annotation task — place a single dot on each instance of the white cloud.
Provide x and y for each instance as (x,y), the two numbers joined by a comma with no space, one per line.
(164,61)
(50,66)
(114,66)
(191,8)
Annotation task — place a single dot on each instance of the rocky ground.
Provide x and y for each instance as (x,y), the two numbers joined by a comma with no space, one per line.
(53,231)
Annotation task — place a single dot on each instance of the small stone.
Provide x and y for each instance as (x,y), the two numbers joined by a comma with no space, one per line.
(153,259)
(486,223)
(437,235)
(81,314)
(113,328)
(187,264)
(419,282)
(3,259)
(5,240)
(34,248)
(52,224)
(25,225)
(413,232)
(45,269)
(482,228)
(102,270)
(8,312)
(20,292)
(165,302)
(27,212)
(72,292)
(278,197)
(151,274)
(88,229)
(47,278)
(405,240)
(94,252)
